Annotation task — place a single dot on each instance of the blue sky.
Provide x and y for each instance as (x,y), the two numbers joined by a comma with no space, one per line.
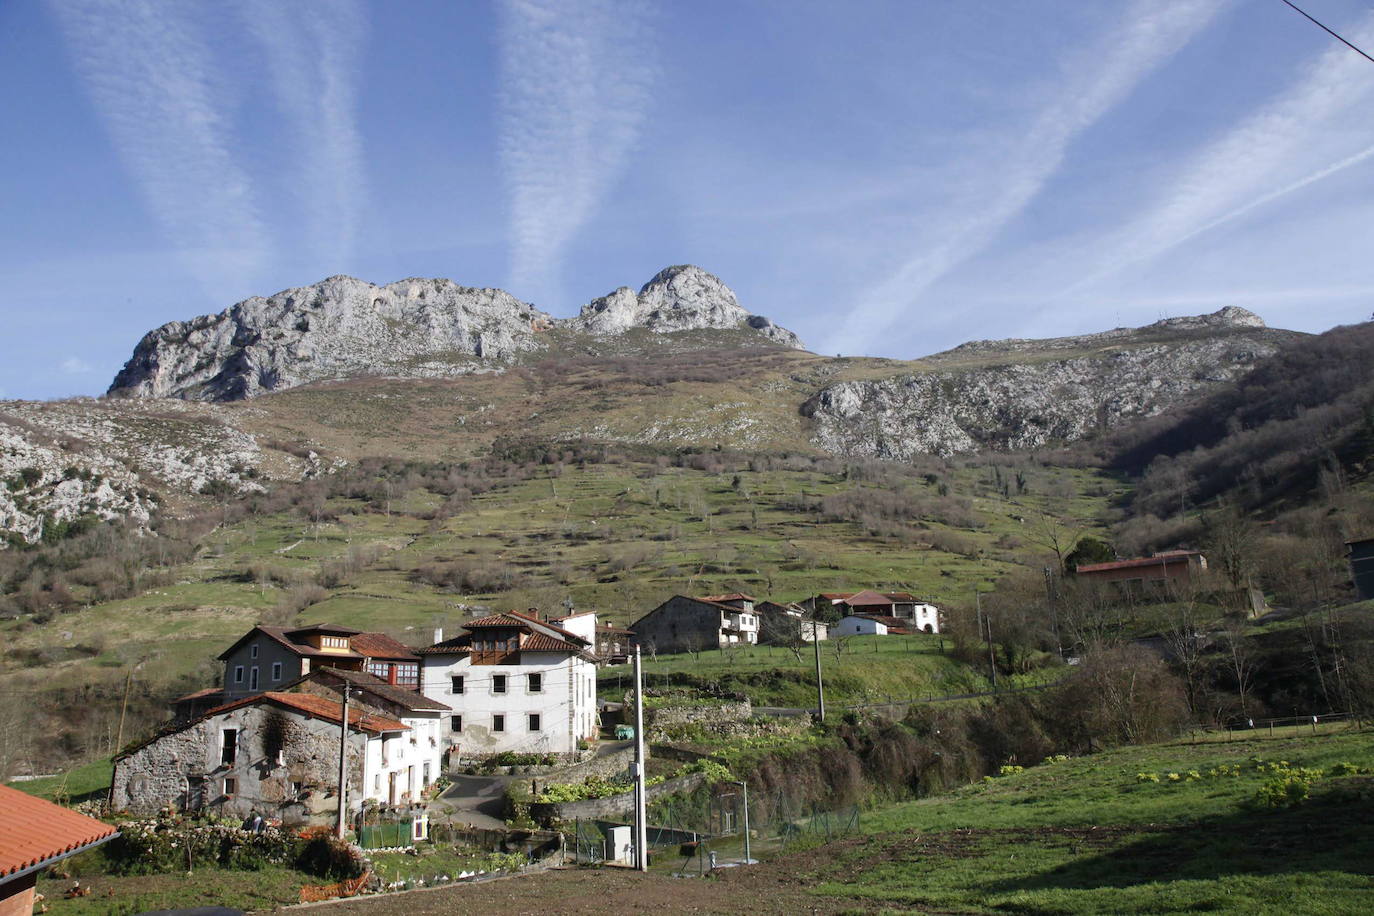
(887,179)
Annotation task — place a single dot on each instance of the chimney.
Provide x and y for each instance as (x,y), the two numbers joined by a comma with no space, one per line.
(438,635)
(534,612)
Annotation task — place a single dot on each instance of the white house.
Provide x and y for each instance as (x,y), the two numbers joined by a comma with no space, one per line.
(860,625)
(515,683)
(400,767)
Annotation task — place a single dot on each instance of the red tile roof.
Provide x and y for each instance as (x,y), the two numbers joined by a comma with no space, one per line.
(498,620)
(200,694)
(539,642)
(1160,559)
(318,707)
(867,598)
(33,831)
(379,645)
(900,596)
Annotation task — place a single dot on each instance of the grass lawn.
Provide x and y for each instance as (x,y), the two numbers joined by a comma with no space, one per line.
(1088,836)
(872,669)
(87,779)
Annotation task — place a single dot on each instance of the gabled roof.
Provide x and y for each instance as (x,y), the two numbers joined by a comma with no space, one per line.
(379,645)
(901,596)
(369,683)
(34,832)
(868,598)
(319,708)
(457,645)
(201,694)
(835,596)
(722,599)
(365,645)
(541,635)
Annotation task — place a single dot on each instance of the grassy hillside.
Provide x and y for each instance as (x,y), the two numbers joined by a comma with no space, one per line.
(404,547)
(1097,834)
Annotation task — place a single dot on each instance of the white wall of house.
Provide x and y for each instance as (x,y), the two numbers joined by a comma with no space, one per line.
(400,767)
(583,625)
(925,615)
(745,621)
(498,708)
(858,626)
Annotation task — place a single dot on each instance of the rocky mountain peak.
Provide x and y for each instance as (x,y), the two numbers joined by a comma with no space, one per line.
(679,298)
(342,327)
(1232,316)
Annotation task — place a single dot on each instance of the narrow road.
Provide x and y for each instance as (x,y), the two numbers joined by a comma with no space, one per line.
(477,801)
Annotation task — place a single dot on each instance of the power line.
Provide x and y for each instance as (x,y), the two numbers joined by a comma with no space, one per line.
(1330,32)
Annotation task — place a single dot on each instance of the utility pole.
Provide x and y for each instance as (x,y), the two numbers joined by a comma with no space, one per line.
(343,767)
(745,786)
(641,828)
(992,656)
(820,687)
(123,709)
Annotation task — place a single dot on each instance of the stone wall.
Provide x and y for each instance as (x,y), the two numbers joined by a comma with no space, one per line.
(612,806)
(182,770)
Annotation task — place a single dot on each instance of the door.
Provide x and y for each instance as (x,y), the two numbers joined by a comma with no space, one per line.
(391,789)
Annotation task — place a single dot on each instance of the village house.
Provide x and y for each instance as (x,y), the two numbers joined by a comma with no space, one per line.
(266,658)
(34,835)
(683,624)
(515,683)
(870,625)
(915,615)
(275,754)
(787,624)
(1150,576)
(610,644)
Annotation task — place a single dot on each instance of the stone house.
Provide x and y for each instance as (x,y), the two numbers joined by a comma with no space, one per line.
(1150,576)
(515,683)
(273,753)
(787,624)
(267,658)
(683,624)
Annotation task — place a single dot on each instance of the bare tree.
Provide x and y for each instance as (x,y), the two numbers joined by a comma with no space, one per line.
(840,645)
(1240,661)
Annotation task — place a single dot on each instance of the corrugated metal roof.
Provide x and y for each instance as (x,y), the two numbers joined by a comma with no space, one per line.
(33,830)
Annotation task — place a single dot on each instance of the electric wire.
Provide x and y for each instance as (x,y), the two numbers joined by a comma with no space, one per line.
(1330,31)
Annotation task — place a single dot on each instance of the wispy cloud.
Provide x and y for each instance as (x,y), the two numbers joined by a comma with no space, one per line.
(74,365)
(575,86)
(312,52)
(1281,149)
(146,66)
(1100,79)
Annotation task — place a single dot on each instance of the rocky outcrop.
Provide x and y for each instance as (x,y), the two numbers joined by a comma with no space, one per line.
(346,328)
(1030,401)
(337,328)
(681,298)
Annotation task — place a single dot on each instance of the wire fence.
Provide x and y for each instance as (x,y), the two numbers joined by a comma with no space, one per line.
(1279,727)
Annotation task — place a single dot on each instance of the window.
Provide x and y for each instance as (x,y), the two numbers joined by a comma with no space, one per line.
(425,783)
(228,746)
(376,783)
(457,684)
(276,671)
(253,678)
(386,749)
(534,721)
(253,651)
(456,723)
(238,674)
(498,683)
(498,723)
(536,683)
(231,785)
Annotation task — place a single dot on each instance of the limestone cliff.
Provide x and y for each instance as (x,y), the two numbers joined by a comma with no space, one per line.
(1022,394)
(346,328)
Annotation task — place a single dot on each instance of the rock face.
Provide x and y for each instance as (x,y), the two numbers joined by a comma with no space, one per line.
(680,298)
(1035,402)
(344,328)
